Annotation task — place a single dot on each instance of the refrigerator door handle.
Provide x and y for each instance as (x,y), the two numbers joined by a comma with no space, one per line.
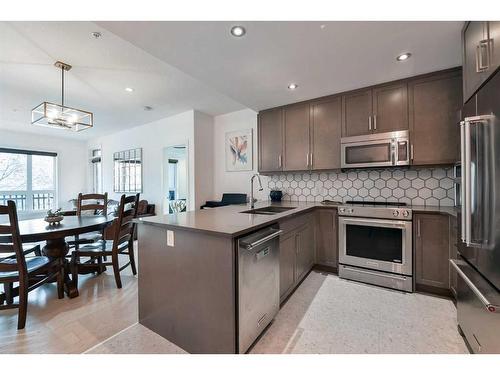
(466,172)
(463,235)
(465,127)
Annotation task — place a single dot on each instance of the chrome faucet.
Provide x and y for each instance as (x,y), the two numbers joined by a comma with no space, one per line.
(252,200)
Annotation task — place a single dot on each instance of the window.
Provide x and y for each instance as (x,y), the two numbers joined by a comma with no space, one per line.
(28,178)
(96,171)
(128,171)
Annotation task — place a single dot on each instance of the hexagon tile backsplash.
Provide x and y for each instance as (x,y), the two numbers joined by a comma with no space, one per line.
(416,186)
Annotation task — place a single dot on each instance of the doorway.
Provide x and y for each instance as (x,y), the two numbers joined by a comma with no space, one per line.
(175,172)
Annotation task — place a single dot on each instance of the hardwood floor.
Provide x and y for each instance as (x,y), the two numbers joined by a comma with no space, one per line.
(72,325)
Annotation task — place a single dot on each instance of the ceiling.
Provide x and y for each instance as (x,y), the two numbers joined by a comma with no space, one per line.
(256,69)
(102,69)
(177,66)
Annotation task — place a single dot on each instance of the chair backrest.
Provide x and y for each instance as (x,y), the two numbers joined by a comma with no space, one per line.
(11,241)
(99,202)
(127,212)
(142,207)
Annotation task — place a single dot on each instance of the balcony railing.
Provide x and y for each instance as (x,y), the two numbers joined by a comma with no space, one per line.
(19,200)
(37,201)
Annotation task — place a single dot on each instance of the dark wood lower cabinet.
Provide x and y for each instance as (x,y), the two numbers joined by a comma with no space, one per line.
(305,250)
(288,246)
(297,245)
(327,238)
(432,249)
(453,255)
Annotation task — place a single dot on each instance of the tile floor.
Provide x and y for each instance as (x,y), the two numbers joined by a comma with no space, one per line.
(330,315)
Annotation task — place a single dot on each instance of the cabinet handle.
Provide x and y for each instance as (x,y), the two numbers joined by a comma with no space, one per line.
(311,159)
(418,228)
(307,160)
(479,56)
(374,122)
(280,164)
(369,122)
(411,152)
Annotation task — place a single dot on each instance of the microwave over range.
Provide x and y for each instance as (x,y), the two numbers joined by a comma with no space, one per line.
(376,150)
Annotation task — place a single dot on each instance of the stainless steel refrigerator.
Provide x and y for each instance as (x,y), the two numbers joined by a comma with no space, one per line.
(478,269)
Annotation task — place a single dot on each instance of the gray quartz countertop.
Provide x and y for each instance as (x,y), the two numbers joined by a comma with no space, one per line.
(232,222)
(452,211)
(228,220)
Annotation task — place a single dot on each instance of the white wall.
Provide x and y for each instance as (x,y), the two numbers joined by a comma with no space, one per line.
(71,160)
(205,137)
(204,157)
(152,138)
(235,182)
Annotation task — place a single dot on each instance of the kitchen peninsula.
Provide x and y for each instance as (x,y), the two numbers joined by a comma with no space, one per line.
(188,268)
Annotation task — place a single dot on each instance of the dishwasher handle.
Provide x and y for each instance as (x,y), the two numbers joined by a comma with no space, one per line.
(262,240)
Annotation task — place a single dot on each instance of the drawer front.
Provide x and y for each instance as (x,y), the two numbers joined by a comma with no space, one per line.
(289,225)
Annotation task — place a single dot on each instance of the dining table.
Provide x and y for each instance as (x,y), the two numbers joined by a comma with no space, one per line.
(54,236)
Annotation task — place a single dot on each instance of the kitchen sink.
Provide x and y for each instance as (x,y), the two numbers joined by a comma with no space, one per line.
(269,210)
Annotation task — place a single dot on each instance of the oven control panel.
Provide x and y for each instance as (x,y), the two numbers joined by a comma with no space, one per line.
(380,212)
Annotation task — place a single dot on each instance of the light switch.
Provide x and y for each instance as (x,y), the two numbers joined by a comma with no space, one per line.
(170,238)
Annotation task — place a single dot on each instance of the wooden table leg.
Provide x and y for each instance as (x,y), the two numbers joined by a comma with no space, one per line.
(58,248)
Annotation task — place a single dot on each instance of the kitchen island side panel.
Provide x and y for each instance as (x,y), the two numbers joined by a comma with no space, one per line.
(187,292)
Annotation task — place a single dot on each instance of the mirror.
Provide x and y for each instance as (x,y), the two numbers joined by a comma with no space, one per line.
(175,179)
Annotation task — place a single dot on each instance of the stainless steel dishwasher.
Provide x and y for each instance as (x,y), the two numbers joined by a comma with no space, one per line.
(258,284)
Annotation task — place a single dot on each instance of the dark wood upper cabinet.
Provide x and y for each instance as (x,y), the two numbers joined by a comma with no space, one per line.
(306,136)
(435,103)
(270,136)
(297,154)
(431,244)
(326,125)
(376,110)
(480,53)
(356,113)
(473,34)
(494,38)
(390,108)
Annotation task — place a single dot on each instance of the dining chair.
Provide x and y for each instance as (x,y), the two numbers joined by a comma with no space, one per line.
(122,244)
(29,272)
(93,204)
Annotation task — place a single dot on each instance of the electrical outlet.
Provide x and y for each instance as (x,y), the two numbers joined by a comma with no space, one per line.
(170,238)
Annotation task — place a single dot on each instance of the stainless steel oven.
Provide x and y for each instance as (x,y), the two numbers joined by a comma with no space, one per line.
(375,245)
(376,150)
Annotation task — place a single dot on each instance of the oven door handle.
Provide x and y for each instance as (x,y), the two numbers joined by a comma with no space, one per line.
(376,222)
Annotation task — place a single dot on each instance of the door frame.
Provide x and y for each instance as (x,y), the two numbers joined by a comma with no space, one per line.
(164,185)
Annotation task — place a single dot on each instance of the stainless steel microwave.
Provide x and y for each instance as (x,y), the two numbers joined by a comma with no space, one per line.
(376,150)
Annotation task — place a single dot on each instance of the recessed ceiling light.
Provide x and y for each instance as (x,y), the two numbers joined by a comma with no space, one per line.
(96,34)
(403,56)
(292,86)
(238,31)
(129,89)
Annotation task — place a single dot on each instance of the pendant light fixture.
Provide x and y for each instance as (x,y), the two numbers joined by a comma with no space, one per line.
(59,116)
